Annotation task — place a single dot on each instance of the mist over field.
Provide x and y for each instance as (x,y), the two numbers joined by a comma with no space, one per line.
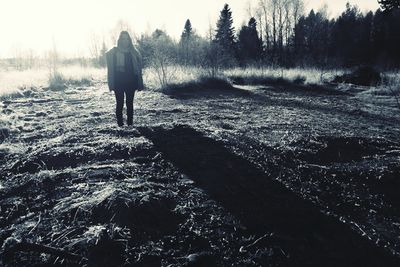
(267,134)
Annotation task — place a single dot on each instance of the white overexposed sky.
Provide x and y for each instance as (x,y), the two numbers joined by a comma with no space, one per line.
(71,24)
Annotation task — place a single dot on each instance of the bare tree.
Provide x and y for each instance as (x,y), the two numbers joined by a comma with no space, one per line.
(17,58)
(97,49)
(249,9)
(94,45)
(212,58)
(30,58)
(52,59)
(279,18)
(56,80)
(273,6)
(280,13)
(297,10)
(264,22)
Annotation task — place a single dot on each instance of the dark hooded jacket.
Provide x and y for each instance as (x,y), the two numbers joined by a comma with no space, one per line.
(136,71)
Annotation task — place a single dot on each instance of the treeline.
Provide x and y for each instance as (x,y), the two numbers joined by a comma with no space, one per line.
(349,40)
(279,34)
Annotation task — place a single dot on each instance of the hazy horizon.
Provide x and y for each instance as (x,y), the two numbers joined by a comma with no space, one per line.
(72,24)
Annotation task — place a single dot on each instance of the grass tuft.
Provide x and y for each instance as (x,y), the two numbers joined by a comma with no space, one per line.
(57,81)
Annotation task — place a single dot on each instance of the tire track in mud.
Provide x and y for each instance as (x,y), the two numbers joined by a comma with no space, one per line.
(262,204)
(150,208)
(65,181)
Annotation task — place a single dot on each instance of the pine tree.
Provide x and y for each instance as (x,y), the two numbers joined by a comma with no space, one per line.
(225,33)
(347,35)
(187,31)
(388,5)
(250,44)
(186,39)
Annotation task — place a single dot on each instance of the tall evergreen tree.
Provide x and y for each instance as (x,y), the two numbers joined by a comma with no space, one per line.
(365,38)
(225,33)
(185,42)
(187,31)
(250,44)
(312,39)
(346,36)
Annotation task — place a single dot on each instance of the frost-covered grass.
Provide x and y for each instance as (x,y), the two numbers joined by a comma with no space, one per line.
(180,74)
(389,86)
(391,81)
(173,74)
(13,82)
(312,76)
(383,96)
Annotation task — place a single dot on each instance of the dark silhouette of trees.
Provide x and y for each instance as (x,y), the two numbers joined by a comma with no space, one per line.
(346,36)
(249,43)
(385,38)
(279,34)
(312,37)
(350,40)
(389,4)
(284,36)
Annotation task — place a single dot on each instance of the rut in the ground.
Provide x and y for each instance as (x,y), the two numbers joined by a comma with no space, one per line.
(263,204)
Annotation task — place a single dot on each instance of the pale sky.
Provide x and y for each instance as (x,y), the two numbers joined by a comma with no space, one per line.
(28,24)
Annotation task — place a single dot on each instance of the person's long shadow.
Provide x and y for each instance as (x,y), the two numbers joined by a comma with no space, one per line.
(264,205)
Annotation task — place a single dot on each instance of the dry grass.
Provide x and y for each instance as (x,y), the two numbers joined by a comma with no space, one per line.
(180,74)
(14,83)
(312,76)
(175,74)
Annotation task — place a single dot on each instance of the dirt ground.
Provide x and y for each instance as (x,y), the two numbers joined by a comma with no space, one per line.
(252,176)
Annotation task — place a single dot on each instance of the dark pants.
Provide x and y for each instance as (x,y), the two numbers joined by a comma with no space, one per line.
(119,96)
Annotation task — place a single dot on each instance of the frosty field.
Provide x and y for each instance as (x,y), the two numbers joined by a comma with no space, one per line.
(247,176)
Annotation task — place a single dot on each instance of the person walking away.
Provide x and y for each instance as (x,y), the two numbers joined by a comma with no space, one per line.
(124,75)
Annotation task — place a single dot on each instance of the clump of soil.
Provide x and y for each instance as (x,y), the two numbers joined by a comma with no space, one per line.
(4,133)
(148,214)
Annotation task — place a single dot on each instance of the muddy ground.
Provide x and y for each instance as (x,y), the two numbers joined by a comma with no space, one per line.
(251,176)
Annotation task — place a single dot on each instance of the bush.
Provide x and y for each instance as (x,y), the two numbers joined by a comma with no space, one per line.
(364,76)
(57,81)
(299,80)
